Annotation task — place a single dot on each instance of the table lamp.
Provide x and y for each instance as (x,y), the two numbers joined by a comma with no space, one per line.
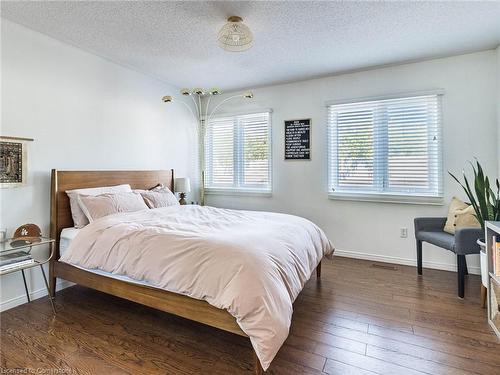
(182,186)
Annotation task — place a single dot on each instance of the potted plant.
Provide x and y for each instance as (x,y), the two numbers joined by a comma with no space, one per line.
(484,200)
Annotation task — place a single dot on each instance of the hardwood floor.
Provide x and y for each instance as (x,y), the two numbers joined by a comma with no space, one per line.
(359,319)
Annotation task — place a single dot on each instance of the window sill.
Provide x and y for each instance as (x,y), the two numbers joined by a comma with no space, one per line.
(235,192)
(387,198)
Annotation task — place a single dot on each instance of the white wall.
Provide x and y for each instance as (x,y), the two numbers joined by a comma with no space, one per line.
(84,112)
(371,230)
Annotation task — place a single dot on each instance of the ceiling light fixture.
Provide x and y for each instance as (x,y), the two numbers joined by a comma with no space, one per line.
(235,36)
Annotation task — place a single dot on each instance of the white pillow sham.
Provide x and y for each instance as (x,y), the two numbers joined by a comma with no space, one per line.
(158,197)
(95,207)
(79,218)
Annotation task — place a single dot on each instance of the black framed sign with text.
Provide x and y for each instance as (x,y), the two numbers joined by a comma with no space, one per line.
(298,139)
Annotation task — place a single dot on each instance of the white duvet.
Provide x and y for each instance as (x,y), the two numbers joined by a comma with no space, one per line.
(253,264)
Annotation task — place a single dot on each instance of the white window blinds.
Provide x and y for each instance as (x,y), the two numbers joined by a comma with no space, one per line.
(238,153)
(390,147)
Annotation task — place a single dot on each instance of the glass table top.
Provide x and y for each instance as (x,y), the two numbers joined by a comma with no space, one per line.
(23,244)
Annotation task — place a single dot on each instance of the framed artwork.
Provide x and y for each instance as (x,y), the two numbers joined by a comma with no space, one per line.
(13,161)
(298,139)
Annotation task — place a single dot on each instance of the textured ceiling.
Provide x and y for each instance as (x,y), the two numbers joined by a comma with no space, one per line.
(176,41)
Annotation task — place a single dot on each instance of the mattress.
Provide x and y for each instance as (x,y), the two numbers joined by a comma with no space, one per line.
(68,234)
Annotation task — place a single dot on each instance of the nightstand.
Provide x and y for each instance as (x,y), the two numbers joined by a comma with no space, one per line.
(16,256)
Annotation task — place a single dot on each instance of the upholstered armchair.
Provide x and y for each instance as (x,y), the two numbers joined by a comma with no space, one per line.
(430,229)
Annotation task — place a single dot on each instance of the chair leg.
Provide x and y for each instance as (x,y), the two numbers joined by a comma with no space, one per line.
(461,275)
(419,257)
(318,270)
(465,264)
(483,296)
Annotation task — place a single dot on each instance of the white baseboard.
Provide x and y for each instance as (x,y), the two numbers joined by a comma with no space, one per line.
(42,292)
(404,261)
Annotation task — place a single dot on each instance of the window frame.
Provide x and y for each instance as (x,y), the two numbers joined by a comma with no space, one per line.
(237,187)
(389,196)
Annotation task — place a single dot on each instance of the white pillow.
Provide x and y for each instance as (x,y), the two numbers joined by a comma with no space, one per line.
(95,207)
(79,218)
(156,198)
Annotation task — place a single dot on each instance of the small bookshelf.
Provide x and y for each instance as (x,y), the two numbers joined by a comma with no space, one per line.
(492,232)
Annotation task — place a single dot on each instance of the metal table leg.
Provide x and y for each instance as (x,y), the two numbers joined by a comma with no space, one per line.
(25,286)
(51,298)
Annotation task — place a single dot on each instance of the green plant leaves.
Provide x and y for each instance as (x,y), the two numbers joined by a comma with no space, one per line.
(485,202)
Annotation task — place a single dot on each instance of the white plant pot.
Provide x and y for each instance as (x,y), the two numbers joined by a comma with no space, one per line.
(484,263)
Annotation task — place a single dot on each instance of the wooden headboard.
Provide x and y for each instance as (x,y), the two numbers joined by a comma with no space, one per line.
(60,212)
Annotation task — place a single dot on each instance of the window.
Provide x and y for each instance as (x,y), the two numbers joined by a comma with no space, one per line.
(238,153)
(386,149)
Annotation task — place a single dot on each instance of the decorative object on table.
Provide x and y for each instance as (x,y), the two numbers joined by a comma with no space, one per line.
(235,36)
(298,139)
(203,116)
(28,233)
(182,186)
(485,202)
(13,161)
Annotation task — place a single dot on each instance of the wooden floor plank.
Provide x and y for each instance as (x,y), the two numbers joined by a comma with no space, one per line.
(463,349)
(364,362)
(358,319)
(424,365)
(333,367)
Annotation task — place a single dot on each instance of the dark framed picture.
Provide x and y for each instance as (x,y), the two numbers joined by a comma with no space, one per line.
(298,139)
(13,161)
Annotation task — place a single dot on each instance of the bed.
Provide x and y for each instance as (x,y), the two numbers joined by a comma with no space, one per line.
(187,225)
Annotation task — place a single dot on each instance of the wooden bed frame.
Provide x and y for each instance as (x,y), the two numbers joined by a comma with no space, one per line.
(177,304)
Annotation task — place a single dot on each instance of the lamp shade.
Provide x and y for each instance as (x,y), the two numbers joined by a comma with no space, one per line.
(182,185)
(235,36)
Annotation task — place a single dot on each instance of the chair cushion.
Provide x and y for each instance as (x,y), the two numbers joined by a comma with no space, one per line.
(441,239)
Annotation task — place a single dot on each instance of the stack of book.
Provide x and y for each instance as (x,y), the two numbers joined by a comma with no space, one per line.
(15,260)
(495,251)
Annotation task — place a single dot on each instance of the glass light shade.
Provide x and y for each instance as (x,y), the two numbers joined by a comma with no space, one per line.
(182,185)
(235,36)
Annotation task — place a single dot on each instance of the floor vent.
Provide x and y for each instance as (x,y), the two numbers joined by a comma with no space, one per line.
(384,267)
